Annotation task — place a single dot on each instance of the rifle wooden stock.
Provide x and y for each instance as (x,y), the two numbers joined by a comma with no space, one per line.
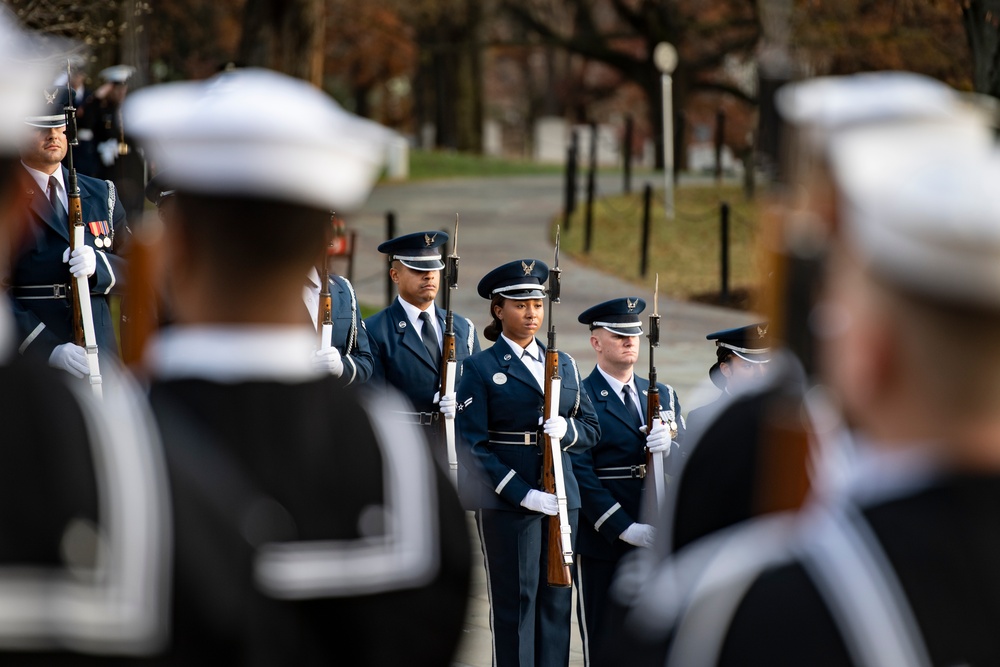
(558,573)
(141,306)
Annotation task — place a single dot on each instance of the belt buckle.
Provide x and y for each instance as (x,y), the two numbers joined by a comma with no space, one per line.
(639,471)
(59,291)
(431,418)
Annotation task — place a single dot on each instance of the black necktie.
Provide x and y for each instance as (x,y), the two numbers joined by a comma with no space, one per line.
(54,199)
(428,335)
(631,406)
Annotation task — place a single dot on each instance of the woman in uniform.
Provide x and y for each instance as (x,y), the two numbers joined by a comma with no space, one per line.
(500,420)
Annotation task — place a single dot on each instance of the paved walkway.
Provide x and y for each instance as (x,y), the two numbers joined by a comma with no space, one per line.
(503,219)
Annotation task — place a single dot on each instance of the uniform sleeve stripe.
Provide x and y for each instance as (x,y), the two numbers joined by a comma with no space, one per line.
(607,515)
(576,434)
(506,479)
(111,272)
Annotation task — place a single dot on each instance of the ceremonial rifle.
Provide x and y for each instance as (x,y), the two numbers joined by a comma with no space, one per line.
(560,546)
(84,334)
(324,316)
(654,462)
(449,360)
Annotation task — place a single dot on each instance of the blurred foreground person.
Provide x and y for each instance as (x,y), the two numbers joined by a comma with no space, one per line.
(311,528)
(894,561)
(84,512)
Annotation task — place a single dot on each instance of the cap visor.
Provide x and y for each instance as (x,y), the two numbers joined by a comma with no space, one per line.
(434,264)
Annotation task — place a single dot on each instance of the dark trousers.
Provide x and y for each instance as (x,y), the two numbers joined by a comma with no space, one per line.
(592,578)
(530,620)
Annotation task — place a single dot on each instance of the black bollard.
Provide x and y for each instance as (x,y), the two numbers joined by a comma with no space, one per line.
(720,142)
(627,154)
(390,233)
(647,205)
(572,157)
(724,245)
(591,175)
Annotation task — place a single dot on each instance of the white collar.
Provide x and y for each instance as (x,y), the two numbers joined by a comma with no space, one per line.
(413,313)
(532,348)
(42,179)
(617,384)
(230,353)
(312,278)
(6,329)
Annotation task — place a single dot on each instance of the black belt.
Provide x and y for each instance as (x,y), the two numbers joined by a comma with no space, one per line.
(418,418)
(40,291)
(622,472)
(526,438)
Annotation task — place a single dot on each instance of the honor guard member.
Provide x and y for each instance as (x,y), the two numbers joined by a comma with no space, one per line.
(500,466)
(40,278)
(715,486)
(309,522)
(612,474)
(84,514)
(406,337)
(895,565)
(117,158)
(349,354)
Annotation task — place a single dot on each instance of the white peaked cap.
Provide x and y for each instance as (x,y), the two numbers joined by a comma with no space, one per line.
(824,106)
(258,133)
(22,78)
(921,204)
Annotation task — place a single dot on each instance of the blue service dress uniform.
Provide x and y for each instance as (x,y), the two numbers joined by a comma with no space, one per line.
(611,489)
(501,402)
(402,361)
(42,308)
(349,334)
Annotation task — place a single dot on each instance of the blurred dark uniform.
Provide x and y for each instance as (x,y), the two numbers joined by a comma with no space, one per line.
(715,486)
(311,527)
(613,474)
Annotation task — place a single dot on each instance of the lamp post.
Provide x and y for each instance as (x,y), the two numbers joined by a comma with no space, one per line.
(665,59)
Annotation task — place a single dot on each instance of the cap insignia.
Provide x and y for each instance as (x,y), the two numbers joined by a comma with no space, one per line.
(528,268)
(429,239)
(50,98)
(761,331)
(631,304)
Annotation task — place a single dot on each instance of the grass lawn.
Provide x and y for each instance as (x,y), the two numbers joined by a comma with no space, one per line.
(684,251)
(448,164)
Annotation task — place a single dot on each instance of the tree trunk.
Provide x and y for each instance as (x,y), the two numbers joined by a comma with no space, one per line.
(284,35)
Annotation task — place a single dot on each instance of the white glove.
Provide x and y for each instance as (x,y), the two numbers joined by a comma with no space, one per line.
(554,427)
(639,534)
(658,439)
(448,405)
(82,263)
(539,501)
(329,360)
(109,151)
(71,358)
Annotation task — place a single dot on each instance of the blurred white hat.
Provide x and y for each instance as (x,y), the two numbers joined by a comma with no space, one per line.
(258,133)
(921,205)
(23,76)
(916,169)
(117,73)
